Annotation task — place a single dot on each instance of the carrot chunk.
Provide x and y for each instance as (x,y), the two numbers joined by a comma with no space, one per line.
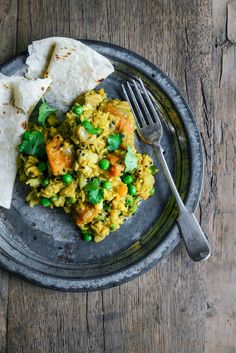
(115,170)
(87,215)
(110,109)
(123,190)
(60,161)
(113,158)
(124,125)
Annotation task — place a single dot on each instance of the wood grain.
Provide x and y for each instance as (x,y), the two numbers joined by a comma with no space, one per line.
(166,307)
(41,19)
(8,15)
(48,321)
(221,269)
(179,306)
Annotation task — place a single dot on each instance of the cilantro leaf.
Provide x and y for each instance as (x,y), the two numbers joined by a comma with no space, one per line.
(94,191)
(92,185)
(34,145)
(114,142)
(44,112)
(90,128)
(96,196)
(131,161)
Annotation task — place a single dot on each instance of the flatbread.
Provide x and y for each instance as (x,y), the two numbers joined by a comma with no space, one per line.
(40,53)
(18,97)
(5,92)
(22,93)
(74,69)
(11,129)
(27,93)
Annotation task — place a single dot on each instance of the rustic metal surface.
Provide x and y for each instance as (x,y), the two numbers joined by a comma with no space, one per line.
(44,245)
(178,306)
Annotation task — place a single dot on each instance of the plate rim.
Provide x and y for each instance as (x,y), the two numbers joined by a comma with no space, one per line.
(153,258)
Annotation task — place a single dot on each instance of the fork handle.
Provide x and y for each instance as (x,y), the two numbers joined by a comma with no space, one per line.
(195,240)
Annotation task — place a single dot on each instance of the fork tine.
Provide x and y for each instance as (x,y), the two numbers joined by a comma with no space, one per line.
(135,102)
(126,95)
(127,98)
(148,115)
(147,95)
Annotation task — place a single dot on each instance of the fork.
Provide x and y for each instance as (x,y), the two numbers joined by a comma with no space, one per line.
(150,130)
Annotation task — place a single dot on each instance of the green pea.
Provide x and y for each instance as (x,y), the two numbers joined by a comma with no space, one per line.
(26,135)
(131,189)
(21,147)
(152,192)
(153,169)
(45,183)
(77,109)
(104,164)
(67,178)
(107,185)
(112,227)
(54,198)
(72,200)
(127,179)
(42,166)
(128,202)
(87,236)
(44,201)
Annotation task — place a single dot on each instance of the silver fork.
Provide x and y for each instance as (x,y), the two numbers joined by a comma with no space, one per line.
(150,131)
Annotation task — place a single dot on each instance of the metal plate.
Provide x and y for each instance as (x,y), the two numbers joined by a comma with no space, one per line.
(44,246)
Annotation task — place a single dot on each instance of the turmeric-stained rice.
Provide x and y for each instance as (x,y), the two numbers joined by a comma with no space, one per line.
(87,164)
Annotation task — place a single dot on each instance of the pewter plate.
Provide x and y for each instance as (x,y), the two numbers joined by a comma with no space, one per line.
(44,246)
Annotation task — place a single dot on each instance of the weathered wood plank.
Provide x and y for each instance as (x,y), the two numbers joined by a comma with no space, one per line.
(41,19)
(8,19)
(3,309)
(221,273)
(231,23)
(164,310)
(42,321)
(8,29)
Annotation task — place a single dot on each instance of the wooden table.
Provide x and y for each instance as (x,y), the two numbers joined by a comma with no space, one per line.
(179,306)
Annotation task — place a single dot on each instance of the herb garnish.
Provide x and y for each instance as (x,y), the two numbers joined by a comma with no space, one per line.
(44,112)
(95,191)
(114,142)
(90,128)
(131,161)
(34,145)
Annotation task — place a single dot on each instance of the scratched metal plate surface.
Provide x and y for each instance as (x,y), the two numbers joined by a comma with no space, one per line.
(44,245)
